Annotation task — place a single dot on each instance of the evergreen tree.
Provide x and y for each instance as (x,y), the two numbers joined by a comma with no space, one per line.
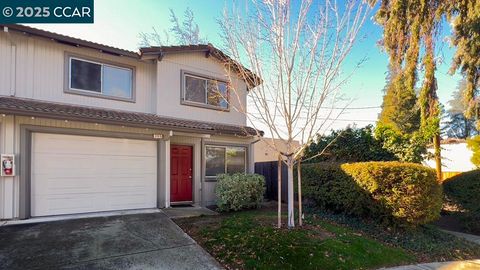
(465,16)
(457,125)
(406,24)
(410,28)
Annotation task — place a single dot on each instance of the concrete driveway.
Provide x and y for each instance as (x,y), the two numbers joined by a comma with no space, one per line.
(142,241)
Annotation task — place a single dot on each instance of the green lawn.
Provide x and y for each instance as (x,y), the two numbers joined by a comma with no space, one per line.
(249,240)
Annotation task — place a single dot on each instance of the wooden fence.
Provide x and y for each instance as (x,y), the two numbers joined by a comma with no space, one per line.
(269,171)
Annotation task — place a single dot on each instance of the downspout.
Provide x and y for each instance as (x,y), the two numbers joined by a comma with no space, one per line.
(202,171)
(252,154)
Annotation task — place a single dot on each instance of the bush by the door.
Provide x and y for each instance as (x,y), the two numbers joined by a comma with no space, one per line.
(387,191)
(239,191)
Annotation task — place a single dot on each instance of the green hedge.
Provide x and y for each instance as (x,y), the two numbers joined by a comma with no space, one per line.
(463,190)
(388,191)
(239,191)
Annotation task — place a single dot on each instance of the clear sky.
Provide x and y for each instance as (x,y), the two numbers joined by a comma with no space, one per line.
(118,23)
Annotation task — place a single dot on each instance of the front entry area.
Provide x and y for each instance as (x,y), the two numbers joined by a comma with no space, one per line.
(181,170)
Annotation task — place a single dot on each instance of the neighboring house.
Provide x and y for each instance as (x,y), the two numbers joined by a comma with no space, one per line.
(96,128)
(455,157)
(263,152)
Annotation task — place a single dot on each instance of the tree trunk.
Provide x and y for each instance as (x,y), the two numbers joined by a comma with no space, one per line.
(300,211)
(291,210)
(279,190)
(438,157)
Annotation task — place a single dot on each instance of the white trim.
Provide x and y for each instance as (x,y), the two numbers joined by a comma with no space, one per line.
(167,174)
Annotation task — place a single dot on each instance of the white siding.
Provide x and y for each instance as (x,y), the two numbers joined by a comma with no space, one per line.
(33,67)
(39,73)
(8,185)
(169,89)
(6,68)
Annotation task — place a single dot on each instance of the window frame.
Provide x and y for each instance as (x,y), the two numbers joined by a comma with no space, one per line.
(213,178)
(68,78)
(184,101)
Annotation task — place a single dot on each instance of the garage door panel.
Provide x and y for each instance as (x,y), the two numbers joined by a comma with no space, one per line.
(64,204)
(121,201)
(78,174)
(69,184)
(84,164)
(86,145)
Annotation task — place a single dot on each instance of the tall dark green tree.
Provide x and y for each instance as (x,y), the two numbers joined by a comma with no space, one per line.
(409,37)
(465,17)
(410,26)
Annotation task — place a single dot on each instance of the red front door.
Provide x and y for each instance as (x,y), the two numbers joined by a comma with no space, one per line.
(181,173)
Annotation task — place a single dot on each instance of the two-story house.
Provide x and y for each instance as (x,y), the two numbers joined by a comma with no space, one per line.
(95,128)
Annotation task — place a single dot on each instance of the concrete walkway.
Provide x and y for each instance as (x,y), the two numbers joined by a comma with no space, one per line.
(188,211)
(141,241)
(457,265)
(469,237)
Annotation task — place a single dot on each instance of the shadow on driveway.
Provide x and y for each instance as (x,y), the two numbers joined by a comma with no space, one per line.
(143,241)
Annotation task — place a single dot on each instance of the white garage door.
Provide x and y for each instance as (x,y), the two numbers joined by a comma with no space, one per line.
(80,174)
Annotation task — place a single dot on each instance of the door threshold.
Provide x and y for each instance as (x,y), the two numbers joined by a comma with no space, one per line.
(182,203)
(80,216)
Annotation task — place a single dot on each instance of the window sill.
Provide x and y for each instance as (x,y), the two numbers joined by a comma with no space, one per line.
(210,179)
(204,106)
(88,94)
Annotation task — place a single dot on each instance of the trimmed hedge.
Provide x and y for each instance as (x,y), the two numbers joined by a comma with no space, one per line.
(392,192)
(463,190)
(239,191)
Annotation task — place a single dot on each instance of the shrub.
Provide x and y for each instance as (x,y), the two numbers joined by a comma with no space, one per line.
(406,147)
(239,191)
(349,145)
(474,145)
(463,190)
(387,191)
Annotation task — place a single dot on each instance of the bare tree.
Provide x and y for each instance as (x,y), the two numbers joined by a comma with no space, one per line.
(185,32)
(298,49)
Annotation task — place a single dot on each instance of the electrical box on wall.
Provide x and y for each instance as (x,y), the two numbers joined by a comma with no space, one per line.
(7,165)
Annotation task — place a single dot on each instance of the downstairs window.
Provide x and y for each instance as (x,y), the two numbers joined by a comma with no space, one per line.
(224,159)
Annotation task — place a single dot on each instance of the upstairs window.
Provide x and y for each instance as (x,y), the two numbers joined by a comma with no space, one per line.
(205,92)
(89,77)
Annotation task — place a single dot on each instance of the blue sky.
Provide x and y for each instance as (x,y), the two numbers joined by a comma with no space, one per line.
(119,22)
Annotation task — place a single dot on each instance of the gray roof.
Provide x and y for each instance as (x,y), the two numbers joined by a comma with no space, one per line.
(29,107)
(67,40)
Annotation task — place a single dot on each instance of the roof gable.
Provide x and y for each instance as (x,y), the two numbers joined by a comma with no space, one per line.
(209,50)
(157,52)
